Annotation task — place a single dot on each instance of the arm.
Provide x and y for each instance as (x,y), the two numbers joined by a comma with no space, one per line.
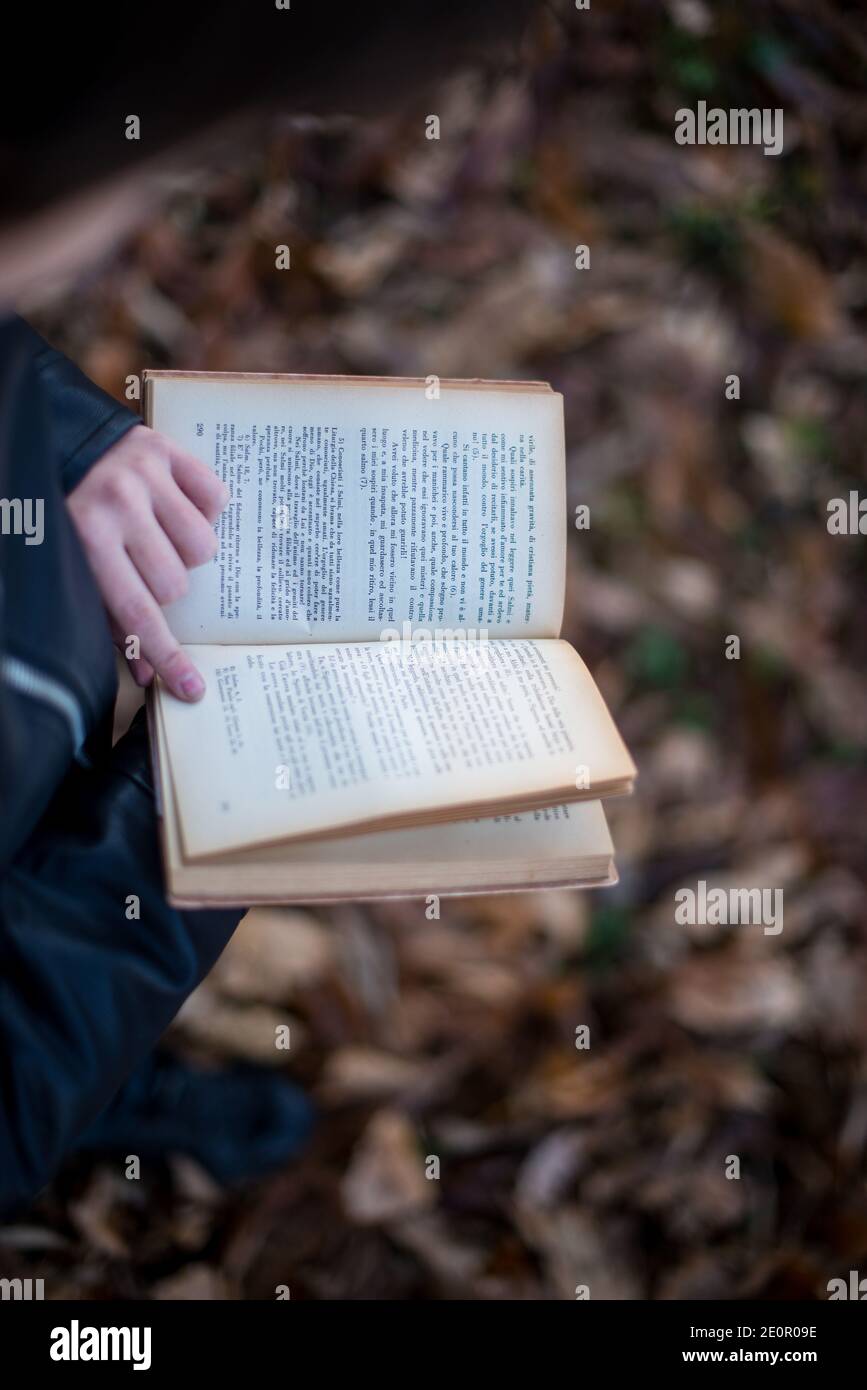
(143,508)
(86,421)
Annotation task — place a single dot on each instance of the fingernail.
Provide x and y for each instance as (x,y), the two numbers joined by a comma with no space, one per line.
(192,687)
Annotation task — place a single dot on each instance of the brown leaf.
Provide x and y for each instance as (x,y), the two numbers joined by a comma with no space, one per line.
(385,1180)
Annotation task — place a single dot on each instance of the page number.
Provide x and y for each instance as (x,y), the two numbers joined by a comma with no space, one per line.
(200,429)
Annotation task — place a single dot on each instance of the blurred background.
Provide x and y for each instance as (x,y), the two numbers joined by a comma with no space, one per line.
(456,1038)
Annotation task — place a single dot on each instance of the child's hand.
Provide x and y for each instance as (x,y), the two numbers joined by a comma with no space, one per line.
(145,515)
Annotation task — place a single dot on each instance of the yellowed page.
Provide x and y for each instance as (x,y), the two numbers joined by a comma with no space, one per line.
(568,846)
(356,508)
(557,845)
(309,739)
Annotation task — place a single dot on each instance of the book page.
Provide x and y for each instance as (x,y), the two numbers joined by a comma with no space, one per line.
(358,508)
(294,741)
(556,845)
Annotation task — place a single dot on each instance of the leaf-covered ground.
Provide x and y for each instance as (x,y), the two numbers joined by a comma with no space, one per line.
(456,1038)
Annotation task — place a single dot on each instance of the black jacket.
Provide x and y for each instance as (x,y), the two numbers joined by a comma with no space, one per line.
(86,987)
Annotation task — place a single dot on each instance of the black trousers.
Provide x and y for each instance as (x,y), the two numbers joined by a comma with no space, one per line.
(95,964)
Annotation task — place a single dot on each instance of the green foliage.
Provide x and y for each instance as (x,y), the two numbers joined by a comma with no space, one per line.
(709,238)
(811,436)
(695,709)
(688,63)
(656,658)
(608,936)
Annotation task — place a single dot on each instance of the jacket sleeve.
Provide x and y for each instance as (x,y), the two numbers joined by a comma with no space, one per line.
(85,420)
(94,963)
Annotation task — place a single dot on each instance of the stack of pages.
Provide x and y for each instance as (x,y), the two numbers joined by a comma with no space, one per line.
(389,710)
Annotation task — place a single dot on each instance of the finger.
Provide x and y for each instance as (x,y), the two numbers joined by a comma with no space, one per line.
(200,483)
(141,671)
(137,614)
(192,536)
(157,560)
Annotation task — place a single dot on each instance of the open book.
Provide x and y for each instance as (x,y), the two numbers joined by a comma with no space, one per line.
(389,709)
